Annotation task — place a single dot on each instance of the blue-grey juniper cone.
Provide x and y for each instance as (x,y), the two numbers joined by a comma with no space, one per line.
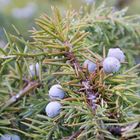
(111,65)
(10,137)
(53,109)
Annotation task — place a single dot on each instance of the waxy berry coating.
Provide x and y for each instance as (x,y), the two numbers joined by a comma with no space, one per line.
(117,53)
(53,109)
(56,92)
(111,65)
(90,65)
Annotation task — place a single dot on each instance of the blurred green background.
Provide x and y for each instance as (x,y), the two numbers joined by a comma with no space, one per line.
(22,13)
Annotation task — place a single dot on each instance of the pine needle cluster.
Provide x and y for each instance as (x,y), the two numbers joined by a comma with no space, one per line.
(60,45)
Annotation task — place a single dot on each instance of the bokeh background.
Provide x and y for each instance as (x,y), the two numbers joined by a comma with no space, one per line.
(22,13)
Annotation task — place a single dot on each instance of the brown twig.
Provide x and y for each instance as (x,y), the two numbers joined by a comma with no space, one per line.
(75,135)
(31,85)
(85,79)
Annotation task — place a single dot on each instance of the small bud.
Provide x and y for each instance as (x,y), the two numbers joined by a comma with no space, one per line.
(53,109)
(56,91)
(90,65)
(111,65)
(9,137)
(117,53)
(34,69)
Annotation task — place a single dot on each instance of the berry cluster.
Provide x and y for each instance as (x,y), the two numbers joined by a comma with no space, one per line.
(55,92)
(54,107)
(112,63)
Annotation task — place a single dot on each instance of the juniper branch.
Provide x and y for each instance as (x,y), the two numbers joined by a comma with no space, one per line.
(18,96)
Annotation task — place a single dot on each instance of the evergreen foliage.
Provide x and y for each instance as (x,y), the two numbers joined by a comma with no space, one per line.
(97,105)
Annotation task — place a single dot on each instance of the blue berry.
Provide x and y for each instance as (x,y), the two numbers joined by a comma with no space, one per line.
(111,65)
(56,92)
(117,53)
(90,65)
(34,69)
(9,137)
(53,109)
